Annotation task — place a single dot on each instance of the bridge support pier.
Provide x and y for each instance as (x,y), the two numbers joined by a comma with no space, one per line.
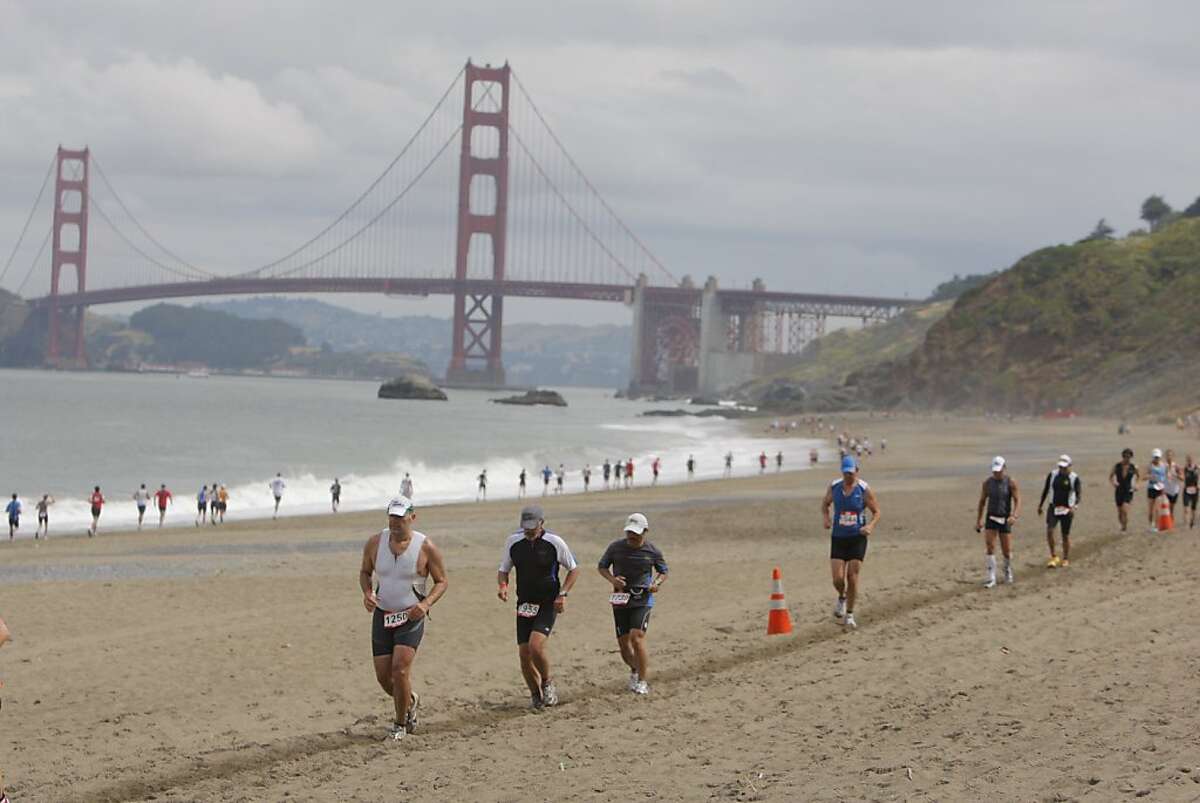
(477,357)
(69,250)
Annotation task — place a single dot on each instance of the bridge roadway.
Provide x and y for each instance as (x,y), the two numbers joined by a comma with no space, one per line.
(833,305)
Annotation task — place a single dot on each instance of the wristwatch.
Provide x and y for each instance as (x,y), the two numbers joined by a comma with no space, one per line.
(563,594)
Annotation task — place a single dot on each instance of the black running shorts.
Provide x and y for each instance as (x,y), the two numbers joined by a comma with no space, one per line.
(1189,500)
(384,640)
(542,623)
(1122,497)
(1060,521)
(627,618)
(852,547)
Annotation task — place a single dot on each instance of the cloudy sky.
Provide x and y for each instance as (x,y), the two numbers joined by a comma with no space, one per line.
(873,148)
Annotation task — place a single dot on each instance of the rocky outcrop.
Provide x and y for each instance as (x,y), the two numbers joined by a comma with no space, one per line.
(411,387)
(535,397)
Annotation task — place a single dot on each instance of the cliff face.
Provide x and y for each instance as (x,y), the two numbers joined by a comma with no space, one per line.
(1103,327)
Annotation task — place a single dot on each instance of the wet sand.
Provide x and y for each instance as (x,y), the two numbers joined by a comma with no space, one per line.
(234,663)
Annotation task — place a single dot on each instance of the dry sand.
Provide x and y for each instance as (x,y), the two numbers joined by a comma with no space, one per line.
(240,669)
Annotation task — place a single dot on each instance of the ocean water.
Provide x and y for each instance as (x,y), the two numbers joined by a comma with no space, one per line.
(66,432)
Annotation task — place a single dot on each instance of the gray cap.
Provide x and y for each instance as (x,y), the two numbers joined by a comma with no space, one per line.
(531,516)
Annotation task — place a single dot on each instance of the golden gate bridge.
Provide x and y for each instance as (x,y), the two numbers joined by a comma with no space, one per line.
(517,217)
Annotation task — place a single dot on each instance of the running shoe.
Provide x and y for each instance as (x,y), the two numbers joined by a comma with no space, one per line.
(536,702)
(1053,563)
(410,719)
(549,693)
(839,610)
(1064,563)
(396,732)
(990,582)
(1008,575)
(848,622)
(633,681)
(641,687)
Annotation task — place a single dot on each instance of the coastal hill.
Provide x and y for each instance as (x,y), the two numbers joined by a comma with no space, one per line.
(1102,326)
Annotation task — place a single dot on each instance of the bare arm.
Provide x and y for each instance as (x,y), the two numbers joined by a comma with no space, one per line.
(982,504)
(1016,500)
(826,503)
(5,635)
(437,572)
(502,586)
(616,581)
(873,506)
(366,570)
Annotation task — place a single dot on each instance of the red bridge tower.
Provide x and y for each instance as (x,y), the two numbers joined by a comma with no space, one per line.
(479,317)
(70,249)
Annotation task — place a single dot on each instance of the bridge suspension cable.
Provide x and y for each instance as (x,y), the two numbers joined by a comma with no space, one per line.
(370,188)
(642,247)
(170,254)
(32,211)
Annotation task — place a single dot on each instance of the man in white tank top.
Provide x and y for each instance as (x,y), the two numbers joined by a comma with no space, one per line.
(395,566)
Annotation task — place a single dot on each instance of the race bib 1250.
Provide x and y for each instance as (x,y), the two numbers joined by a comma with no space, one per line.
(395,619)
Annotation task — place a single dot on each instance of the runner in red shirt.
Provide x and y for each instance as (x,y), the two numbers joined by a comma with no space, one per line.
(97,501)
(629,473)
(163,497)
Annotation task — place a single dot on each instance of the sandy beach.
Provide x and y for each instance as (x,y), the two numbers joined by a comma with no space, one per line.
(234,663)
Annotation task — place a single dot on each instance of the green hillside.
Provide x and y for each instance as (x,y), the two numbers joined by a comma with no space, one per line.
(1103,326)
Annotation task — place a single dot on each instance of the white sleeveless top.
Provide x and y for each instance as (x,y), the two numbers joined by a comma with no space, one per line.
(398,578)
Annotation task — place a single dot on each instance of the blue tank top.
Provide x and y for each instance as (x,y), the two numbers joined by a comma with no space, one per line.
(849,509)
(1158,476)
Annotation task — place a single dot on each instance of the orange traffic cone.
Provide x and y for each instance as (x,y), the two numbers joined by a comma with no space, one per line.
(779,620)
(1165,520)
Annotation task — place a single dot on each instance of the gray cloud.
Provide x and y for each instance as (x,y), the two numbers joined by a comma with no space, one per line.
(850,146)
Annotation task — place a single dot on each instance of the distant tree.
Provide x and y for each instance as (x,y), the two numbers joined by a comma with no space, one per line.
(1193,210)
(1154,209)
(1103,231)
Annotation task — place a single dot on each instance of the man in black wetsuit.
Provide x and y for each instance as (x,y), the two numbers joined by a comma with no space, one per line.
(629,565)
(537,555)
(1124,477)
(1063,488)
(999,507)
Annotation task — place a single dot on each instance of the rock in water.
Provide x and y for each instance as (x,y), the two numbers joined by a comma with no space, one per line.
(411,387)
(533,397)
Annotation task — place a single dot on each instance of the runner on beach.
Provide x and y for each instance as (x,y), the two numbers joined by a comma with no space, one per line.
(630,565)
(728,464)
(481,492)
(97,503)
(1174,484)
(849,498)
(141,498)
(222,502)
(779,461)
(214,504)
(812,457)
(587,477)
(1156,484)
(277,487)
(629,472)
(618,470)
(521,484)
(537,555)
(163,497)
(655,467)
(406,487)
(201,504)
(1063,489)
(606,470)
(1191,490)
(762,462)
(1124,477)
(335,494)
(999,507)
(396,564)
(13,509)
(43,514)
(691,466)
(546,475)
(558,479)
